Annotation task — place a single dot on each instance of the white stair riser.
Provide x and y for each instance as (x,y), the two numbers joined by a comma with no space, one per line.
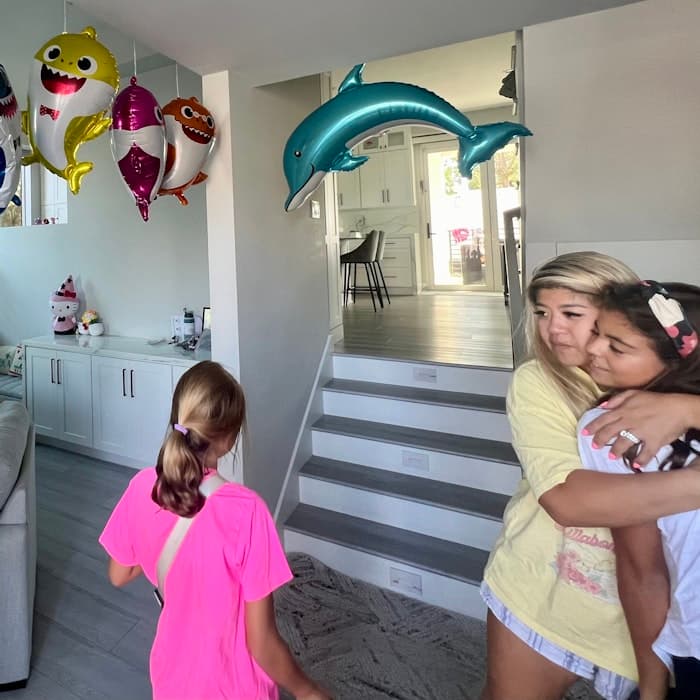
(443,591)
(444,419)
(442,466)
(425,519)
(469,380)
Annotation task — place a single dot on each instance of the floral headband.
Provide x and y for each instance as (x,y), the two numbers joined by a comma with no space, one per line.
(669,313)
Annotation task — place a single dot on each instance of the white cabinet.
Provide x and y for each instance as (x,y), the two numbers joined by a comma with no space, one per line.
(105,396)
(348,186)
(399,264)
(385,180)
(59,396)
(132,406)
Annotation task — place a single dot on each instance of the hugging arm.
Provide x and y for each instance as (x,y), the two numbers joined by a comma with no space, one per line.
(643,585)
(655,418)
(546,444)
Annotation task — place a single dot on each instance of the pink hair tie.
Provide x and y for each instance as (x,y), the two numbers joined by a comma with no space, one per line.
(181,429)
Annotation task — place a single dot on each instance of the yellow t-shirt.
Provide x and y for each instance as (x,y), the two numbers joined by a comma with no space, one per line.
(558,581)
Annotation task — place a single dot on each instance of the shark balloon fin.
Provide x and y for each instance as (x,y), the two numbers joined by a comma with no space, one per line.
(346,161)
(353,79)
(484,141)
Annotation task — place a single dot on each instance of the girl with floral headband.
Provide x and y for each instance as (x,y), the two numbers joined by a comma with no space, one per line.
(550,587)
(646,337)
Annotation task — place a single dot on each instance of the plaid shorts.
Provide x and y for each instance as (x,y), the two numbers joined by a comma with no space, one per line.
(608,684)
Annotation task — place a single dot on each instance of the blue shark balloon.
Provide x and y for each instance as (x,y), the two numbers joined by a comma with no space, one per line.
(10,149)
(322,142)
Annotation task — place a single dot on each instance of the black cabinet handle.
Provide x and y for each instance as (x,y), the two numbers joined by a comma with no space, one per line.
(58,371)
(53,381)
(131,379)
(123,382)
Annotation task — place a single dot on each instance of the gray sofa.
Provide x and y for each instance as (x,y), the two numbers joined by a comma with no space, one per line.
(17,542)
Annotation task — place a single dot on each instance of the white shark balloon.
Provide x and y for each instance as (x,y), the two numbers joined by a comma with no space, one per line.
(10,149)
(71,87)
(323,141)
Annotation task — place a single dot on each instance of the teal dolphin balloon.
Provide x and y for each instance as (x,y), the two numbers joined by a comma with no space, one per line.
(322,142)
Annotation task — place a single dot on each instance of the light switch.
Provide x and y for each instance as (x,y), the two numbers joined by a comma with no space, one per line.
(315,209)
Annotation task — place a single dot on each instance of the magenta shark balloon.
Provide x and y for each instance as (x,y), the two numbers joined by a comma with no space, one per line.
(139,143)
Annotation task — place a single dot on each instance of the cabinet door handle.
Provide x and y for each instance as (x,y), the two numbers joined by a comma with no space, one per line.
(53,381)
(340,197)
(131,381)
(387,196)
(58,371)
(123,382)
(383,200)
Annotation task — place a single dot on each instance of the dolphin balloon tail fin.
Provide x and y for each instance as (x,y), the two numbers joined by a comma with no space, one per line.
(16,201)
(484,141)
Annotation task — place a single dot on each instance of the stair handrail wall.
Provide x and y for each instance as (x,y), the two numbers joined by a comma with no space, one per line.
(515,289)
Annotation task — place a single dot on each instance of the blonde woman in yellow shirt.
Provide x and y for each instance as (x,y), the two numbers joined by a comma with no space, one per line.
(554,613)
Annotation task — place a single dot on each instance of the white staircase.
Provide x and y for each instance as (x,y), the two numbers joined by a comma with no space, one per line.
(411,469)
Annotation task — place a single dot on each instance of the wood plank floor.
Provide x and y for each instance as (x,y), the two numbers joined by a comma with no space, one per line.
(451,328)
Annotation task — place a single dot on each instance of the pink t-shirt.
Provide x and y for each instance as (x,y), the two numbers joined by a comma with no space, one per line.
(230,555)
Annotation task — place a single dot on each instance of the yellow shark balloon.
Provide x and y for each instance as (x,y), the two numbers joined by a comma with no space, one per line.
(71,88)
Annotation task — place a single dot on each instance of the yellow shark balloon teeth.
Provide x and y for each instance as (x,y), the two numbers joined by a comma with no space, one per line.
(71,88)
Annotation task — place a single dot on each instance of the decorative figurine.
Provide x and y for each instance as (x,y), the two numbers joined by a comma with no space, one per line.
(64,306)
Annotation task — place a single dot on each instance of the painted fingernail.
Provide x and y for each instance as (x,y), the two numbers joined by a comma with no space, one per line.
(612,455)
(595,447)
(604,404)
(636,466)
(585,432)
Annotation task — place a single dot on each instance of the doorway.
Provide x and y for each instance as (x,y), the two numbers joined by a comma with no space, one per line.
(462,219)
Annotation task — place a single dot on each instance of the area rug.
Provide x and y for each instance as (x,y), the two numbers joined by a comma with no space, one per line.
(365,643)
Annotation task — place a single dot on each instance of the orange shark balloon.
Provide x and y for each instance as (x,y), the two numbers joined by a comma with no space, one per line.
(190,133)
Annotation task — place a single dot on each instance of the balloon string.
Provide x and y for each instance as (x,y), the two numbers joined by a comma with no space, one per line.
(134,45)
(177,81)
(65,16)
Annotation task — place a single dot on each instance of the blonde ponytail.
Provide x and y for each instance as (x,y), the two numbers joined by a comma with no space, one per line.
(208,407)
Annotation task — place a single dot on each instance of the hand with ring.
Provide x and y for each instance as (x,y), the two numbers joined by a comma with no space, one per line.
(644,418)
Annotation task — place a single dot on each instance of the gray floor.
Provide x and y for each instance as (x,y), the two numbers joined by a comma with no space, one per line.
(452,328)
(91,641)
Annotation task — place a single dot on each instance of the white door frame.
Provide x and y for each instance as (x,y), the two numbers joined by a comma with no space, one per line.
(493,269)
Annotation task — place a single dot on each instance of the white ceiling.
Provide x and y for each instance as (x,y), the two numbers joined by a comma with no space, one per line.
(468,75)
(274,40)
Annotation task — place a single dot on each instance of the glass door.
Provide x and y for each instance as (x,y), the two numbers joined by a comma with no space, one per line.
(461,219)
(454,213)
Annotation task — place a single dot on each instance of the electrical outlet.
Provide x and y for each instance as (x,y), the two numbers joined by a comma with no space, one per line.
(415,460)
(425,374)
(176,327)
(405,581)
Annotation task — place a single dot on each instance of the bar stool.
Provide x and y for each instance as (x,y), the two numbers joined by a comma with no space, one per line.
(378,263)
(365,254)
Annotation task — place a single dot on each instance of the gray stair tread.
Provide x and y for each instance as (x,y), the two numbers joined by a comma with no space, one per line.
(456,399)
(480,448)
(430,553)
(429,491)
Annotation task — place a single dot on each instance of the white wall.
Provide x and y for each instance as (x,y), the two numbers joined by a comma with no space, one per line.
(136,274)
(281,277)
(613,101)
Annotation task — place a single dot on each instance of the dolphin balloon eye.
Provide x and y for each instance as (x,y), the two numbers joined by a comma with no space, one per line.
(297,154)
(158,113)
(187,112)
(210,122)
(87,65)
(52,52)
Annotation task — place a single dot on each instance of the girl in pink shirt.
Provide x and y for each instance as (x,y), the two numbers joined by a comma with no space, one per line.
(216,635)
